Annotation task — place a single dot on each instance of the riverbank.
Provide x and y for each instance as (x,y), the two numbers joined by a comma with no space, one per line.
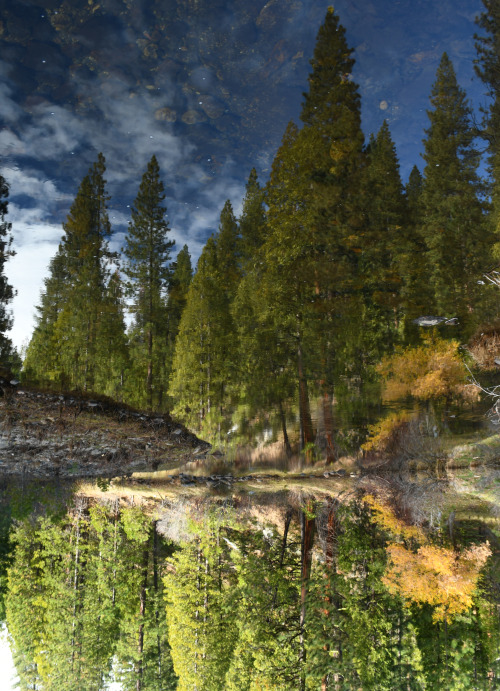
(45,435)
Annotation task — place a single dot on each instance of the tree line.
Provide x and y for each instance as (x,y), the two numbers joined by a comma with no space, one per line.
(96,594)
(320,277)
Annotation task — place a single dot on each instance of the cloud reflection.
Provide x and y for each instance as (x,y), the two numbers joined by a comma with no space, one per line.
(207,87)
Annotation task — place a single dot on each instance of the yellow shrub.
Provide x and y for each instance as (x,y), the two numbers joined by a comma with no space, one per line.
(384,433)
(428,372)
(439,576)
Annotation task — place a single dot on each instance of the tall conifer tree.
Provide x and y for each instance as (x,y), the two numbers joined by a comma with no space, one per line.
(384,241)
(74,310)
(43,356)
(182,275)
(229,250)
(488,69)
(6,290)
(85,246)
(457,239)
(205,356)
(316,219)
(147,268)
(252,221)
(416,292)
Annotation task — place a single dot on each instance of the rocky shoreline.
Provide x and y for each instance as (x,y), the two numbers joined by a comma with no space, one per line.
(216,481)
(44,434)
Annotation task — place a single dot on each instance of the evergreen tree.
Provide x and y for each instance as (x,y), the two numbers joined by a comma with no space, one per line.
(457,238)
(228,250)
(143,653)
(316,218)
(112,340)
(385,240)
(147,268)
(181,277)
(205,349)
(488,69)
(85,247)
(200,590)
(267,612)
(204,364)
(74,340)
(43,356)
(6,290)
(416,294)
(252,221)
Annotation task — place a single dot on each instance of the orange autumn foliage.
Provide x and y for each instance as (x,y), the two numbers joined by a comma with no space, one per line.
(430,371)
(385,433)
(385,518)
(436,576)
(441,577)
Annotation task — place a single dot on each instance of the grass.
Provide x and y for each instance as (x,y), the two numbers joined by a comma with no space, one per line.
(139,487)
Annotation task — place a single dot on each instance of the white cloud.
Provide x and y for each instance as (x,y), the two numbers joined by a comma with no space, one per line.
(10,111)
(10,144)
(55,132)
(35,245)
(29,183)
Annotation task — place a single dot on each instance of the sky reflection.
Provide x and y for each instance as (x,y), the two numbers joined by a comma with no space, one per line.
(207,87)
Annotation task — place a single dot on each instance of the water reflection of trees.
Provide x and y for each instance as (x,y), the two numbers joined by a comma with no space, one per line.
(306,602)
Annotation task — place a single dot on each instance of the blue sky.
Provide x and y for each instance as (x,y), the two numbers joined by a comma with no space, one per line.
(208,87)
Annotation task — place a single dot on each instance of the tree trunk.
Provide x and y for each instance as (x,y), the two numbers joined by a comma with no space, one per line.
(288,520)
(307,537)
(149,381)
(286,441)
(306,428)
(331,532)
(142,613)
(155,586)
(331,451)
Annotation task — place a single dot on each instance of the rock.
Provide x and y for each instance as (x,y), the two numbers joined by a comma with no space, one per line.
(212,107)
(192,117)
(165,115)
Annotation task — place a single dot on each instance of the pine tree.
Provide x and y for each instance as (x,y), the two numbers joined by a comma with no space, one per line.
(6,290)
(147,251)
(70,345)
(112,339)
(488,69)
(384,241)
(290,267)
(85,247)
(252,221)
(43,356)
(205,349)
(229,250)
(415,292)
(200,590)
(181,277)
(457,239)
(316,220)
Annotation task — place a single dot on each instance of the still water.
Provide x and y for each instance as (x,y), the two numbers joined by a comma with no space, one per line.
(150,586)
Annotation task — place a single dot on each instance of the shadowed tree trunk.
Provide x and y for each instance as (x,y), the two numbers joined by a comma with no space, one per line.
(308,522)
(306,428)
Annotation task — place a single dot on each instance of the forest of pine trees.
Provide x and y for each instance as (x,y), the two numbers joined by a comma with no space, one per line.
(95,593)
(294,303)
